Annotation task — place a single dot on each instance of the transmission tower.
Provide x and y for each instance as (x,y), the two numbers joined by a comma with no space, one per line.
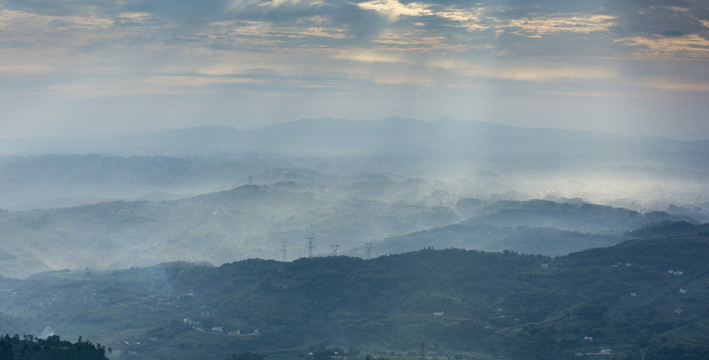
(310,246)
(285,258)
(423,351)
(334,249)
(369,249)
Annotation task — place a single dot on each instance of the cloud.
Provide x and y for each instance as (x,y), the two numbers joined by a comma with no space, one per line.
(581,24)
(36,28)
(224,68)
(556,72)
(26,68)
(393,9)
(535,73)
(134,17)
(355,48)
(468,18)
(668,19)
(679,87)
(153,85)
(241,5)
(594,94)
(668,48)
(413,41)
(370,56)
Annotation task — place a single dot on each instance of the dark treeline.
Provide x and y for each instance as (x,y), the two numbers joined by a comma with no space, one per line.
(52,348)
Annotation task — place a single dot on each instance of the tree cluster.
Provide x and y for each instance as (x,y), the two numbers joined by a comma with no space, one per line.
(52,348)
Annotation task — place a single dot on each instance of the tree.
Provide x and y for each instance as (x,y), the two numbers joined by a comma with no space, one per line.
(6,348)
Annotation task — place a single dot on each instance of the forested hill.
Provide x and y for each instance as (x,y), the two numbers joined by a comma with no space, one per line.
(646,297)
(51,348)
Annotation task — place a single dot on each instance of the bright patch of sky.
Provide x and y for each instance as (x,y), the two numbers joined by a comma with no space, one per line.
(129,66)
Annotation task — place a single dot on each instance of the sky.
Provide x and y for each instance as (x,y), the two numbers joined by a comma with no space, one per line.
(79,67)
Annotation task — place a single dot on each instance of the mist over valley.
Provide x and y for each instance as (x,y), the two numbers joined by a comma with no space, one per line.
(325,236)
(489,180)
(328,236)
(219,195)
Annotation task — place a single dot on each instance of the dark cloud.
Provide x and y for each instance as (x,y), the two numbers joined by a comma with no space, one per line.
(518,9)
(187,12)
(673,33)
(633,17)
(657,21)
(59,8)
(361,24)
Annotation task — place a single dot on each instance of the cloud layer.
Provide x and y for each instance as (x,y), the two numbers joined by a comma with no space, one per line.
(130,65)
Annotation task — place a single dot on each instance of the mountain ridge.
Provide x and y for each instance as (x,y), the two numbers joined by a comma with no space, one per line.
(208,138)
(254,220)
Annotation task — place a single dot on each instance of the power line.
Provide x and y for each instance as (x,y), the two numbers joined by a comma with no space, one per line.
(369,249)
(310,246)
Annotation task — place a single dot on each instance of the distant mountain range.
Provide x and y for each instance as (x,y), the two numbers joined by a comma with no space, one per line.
(327,136)
(465,156)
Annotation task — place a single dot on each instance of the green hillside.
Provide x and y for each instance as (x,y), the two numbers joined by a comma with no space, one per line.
(456,302)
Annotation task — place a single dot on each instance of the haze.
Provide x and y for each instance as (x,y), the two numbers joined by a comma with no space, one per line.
(287,179)
(218,194)
(408,108)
